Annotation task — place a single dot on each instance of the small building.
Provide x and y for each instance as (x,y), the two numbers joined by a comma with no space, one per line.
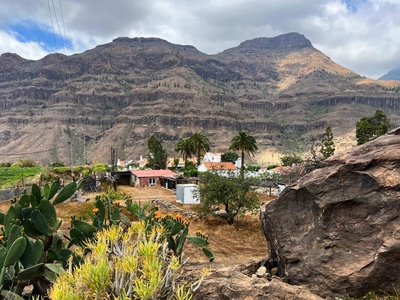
(121,177)
(145,178)
(185,194)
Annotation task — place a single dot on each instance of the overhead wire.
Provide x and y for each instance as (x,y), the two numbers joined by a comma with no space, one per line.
(35,152)
(63,24)
(52,25)
(58,26)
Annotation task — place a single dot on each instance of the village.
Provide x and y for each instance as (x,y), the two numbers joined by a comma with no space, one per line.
(272,181)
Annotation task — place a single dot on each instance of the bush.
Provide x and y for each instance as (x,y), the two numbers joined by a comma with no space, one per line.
(134,264)
(57,164)
(24,163)
(100,168)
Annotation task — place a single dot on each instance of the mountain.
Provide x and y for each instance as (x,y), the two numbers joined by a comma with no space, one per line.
(281,89)
(392,75)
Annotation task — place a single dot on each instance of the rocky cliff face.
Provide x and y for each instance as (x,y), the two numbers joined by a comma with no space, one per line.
(118,94)
(336,230)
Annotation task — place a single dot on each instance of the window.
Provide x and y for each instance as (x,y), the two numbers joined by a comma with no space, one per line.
(152,181)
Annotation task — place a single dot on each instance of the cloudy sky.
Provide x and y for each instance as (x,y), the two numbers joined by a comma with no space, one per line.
(362,35)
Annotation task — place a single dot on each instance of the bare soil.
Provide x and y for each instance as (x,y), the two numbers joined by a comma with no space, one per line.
(242,242)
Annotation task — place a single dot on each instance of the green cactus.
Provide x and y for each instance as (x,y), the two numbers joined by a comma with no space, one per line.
(30,242)
(103,215)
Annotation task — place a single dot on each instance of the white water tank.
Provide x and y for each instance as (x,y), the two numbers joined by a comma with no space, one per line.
(185,195)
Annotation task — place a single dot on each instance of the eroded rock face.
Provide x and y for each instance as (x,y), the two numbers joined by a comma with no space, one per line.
(337,230)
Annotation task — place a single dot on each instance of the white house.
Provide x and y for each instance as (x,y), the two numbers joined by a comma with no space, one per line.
(222,168)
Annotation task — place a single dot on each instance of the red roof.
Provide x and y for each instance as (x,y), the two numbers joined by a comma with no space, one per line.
(153,173)
(219,166)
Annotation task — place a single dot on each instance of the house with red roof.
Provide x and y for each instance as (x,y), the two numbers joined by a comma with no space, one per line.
(222,168)
(145,178)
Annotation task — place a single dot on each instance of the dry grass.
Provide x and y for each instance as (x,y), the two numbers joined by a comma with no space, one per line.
(242,242)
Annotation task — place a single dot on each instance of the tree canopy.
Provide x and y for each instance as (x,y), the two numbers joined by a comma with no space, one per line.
(289,160)
(369,128)
(186,148)
(328,146)
(201,145)
(229,156)
(246,144)
(235,193)
(157,156)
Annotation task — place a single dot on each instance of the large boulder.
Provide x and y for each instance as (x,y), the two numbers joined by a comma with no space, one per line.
(337,229)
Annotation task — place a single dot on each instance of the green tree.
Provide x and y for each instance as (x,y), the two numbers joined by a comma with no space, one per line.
(229,156)
(246,144)
(369,128)
(24,163)
(235,193)
(157,156)
(201,145)
(328,146)
(100,168)
(186,148)
(289,160)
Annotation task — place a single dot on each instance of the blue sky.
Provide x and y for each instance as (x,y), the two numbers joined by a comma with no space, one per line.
(362,35)
(51,41)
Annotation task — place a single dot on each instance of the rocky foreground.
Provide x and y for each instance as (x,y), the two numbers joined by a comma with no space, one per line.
(337,230)
(333,234)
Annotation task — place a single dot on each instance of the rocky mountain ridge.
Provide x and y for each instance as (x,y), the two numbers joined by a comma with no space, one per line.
(282,90)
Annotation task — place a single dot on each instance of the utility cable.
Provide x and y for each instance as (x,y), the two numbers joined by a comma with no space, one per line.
(35,152)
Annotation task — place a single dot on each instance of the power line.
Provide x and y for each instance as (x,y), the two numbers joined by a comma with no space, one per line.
(52,25)
(62,19)
(58,26)
(36,152)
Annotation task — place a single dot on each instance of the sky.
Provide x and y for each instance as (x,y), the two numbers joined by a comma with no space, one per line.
(362,35)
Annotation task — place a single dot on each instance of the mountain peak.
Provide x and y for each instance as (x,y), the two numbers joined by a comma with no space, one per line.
(289,41)
(393,74)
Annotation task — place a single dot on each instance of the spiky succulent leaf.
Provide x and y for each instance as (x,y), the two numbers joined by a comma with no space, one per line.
(65,193)
(13,235)
(15,251)
(32,273)
(10,295)
(210,255)
(10,216)
(28,257)
(55,186)
(24,201)
(30,229)
(197,241)
(84,227)
(36,192)
(40,222)
(49,213)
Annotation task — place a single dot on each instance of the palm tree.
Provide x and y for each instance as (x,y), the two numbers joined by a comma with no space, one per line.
(201,144)
(245,143)
(186,149)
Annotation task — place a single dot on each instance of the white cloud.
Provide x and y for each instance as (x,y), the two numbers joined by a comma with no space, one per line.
(29,50)
(358,34)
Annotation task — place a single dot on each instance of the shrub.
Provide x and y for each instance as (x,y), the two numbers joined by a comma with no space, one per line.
(24,163)
(131,264)
(100,168)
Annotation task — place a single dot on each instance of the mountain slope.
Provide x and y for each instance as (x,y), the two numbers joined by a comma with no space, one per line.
(281,89)
(393,74)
